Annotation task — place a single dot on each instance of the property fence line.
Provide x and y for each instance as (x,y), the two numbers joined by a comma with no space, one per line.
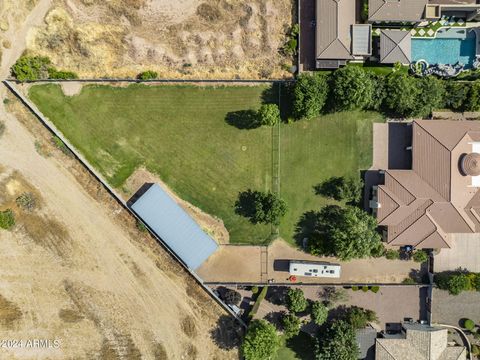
(239,284)
(52,129)
(129,80)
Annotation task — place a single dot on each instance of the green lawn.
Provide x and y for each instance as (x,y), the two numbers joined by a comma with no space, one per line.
(300,347)
(313,151)
(179,132)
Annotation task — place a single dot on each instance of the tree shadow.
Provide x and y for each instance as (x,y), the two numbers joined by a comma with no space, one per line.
(243,119)
(227,334)
(329,188)
(276,295)
(303,345)
(305,227)
(280,94)
(245,204)
(275,318)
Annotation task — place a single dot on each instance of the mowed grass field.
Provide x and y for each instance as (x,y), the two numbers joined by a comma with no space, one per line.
(338,144)
(179,132)
(176,132)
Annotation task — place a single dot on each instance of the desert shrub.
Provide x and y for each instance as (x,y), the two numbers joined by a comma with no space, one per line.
(26,201)
(375,289)
(268,114)
(31,68)
(60,145)
(355,288)
(2,128)
(352,88)
(147,75)
(469,324)
(254,290)
(141,226)
(232,297)
(60,74)
(420,256)
(309,95)
(319,313)
(290,47)
(296,301)
(392,254)
(7,219)
(364,288)
(291,325)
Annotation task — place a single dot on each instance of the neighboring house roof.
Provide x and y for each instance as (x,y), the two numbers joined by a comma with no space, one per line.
(420,343)
(395,46)
(422,206)
(174,226)
(334,28)
(366,343)
(396,10)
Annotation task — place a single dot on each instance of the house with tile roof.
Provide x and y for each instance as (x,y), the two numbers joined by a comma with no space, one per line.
(419,342)
(439,195)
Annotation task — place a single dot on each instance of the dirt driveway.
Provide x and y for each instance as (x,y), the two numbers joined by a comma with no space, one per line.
(243,264)
(75,269)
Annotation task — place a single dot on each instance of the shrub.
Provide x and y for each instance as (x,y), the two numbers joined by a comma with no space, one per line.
(469,324)
(472,102)
(359,317)
(475,350)
(352,88)
(31,68)
(291,325)
(261,341)
(296,301)
(268,114)
(392,254)
(457,94)
(454,283)
(147,75)
(409,281)
(141,226)
(475,282)
(364,288)
(60,145)
(61,75)
(309,95)
(420,256)
(7,219)
(232,297)
(378,95)
(258,301)
(319,313)
(342,189)
(364,13)
(355,288)
(254,290)
(375,289)
(26,201)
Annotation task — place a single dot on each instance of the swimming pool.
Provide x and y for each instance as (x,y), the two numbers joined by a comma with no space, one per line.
(449,47)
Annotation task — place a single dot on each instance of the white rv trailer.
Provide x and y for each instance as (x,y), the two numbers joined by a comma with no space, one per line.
(314,269)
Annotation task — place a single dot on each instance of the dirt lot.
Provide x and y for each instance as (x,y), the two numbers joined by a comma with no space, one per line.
(187,38)
(75,268)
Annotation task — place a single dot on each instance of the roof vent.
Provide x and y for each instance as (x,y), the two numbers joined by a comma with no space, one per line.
(470,164)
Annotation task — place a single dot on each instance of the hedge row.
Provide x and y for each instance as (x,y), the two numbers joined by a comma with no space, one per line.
(29,68)
(354,88)
(456,282)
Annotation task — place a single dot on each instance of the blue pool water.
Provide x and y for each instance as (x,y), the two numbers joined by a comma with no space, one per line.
(446,50)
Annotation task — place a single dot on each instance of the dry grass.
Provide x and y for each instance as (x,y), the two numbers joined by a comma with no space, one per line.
(70,315)
(9,313)
(192,38)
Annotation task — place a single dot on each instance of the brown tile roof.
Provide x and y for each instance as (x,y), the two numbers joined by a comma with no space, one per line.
(334,29)
(396,10)
(435,198)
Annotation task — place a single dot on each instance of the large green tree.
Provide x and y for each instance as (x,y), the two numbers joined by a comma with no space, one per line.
(457,94)
(342,188)
(291,325)
(352,88)
(402,93)
(261,341)
(309,95)
(359,317)
(261,207)
(296,301)
(345,232)
(338,342)
(319,313)
(432,95)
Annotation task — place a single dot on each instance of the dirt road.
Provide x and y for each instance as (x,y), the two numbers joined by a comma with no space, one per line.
(71,272)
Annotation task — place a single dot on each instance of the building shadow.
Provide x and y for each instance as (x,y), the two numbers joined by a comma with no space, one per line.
(423,296)
(370,178)
(143,189)
(281,265)
(399,138)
